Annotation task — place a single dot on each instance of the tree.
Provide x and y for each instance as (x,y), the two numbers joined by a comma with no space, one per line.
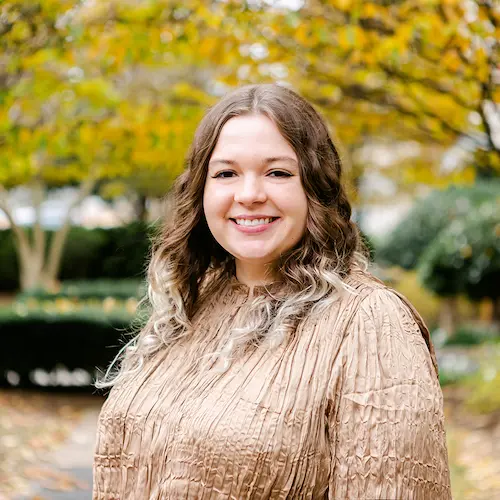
(66,118)
(465,257)
(428,217)
(426,71)
(449,237)
(112,90)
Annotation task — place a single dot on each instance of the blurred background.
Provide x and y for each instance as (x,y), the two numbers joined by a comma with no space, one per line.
(99,100)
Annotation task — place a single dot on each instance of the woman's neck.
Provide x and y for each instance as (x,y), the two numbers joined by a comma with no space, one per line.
(254,275)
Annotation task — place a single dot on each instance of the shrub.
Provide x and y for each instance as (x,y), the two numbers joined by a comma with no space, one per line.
(484,386)
(428,217)
(89,290)
(465,257)
(452,239)
(116,253)
(83,253)
(469,336)
(87,339)
(9,266)
(126,251)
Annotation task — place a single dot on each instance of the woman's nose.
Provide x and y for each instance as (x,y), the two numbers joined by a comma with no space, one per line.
(251,190)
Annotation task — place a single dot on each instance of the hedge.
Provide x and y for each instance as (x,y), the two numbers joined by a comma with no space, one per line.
(38,339)
(81,290)
(89,254)
(429,217)
(465,257)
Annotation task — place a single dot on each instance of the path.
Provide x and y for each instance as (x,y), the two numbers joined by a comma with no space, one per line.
(68,472)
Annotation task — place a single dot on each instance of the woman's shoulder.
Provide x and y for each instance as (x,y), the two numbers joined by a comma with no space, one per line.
(379,306)
(365,288)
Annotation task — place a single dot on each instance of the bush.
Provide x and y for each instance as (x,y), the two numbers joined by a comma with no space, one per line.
(89,254)
(83,253)
(469,336)
(484,386)
(125,254)
(369,245)
(465,257)
(9,266)
(39,339)
(428,217)
(452,239)
(89,290)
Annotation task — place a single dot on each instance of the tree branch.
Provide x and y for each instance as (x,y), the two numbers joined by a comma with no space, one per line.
(57,246)
(38,232)
(18,231)
(429,83)
(487,87)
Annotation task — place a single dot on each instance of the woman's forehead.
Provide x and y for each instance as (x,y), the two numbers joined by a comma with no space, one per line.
(255,131)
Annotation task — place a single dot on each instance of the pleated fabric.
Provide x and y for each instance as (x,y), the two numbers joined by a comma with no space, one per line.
(348,407)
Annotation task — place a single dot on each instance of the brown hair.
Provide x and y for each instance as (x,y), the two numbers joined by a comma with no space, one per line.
(186,242)
(185,252)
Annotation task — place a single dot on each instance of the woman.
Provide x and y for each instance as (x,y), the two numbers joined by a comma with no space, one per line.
(272,365)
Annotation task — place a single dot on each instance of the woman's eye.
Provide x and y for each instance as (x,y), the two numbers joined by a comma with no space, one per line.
(223,175)
(279,173)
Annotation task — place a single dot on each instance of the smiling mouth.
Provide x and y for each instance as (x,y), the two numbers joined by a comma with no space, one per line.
(254,222)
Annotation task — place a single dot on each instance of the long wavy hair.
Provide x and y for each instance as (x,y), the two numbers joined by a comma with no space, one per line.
(185,255)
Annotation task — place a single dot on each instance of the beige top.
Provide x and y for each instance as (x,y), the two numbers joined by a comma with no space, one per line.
(349,407)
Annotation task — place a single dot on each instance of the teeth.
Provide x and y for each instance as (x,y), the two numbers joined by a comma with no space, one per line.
(253,222)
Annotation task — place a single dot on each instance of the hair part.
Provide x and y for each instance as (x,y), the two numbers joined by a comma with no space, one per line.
(185,255)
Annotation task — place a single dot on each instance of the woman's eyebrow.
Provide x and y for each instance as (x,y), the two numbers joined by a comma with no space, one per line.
(267,161)
(223,161)
(280,158)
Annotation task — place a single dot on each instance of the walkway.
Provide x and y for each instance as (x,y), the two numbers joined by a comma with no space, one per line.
(68,473)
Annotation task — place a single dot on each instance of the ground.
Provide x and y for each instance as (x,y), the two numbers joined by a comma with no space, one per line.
(46,443)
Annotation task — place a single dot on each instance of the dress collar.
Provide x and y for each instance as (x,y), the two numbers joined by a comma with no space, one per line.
(269,289)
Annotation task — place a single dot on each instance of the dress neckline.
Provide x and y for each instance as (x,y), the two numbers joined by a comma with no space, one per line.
(268,289)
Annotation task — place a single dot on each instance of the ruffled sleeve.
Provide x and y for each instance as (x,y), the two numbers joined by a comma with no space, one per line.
(385,422)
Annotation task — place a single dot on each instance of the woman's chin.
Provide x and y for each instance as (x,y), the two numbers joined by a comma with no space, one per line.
(254,257)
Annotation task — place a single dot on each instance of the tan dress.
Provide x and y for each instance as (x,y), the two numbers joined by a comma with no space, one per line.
(349,407)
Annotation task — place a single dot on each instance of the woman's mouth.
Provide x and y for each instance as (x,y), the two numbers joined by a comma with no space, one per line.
(254,222)
(254,225)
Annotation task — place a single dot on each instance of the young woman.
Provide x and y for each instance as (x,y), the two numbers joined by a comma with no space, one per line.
(273,365)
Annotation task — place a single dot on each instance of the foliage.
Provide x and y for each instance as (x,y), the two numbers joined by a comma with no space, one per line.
(452,238)
(73,112)
(83,251)
(484,395)
(87,290)
(369,245)
(407,69)
(465,256)
(89,254)
(428,217)
(83,339)
(64,118)
(9,271)
(470,336)
(112,91)
(449,378)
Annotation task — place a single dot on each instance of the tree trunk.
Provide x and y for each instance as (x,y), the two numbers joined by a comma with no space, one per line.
(448,315)
(141,210)
(31,269)
(496,311)
(55,253)
(36,269)
(56,250)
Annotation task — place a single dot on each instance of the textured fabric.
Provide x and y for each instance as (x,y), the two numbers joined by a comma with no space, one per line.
(348,407)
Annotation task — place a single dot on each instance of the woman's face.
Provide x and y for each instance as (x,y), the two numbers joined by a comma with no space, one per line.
(254,202)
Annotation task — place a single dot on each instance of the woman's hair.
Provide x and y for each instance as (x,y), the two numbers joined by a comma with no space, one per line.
(185,255)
